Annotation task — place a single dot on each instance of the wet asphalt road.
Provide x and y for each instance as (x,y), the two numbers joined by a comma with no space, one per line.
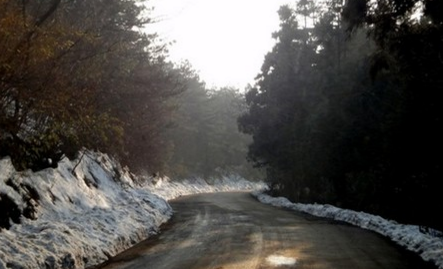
(233,230)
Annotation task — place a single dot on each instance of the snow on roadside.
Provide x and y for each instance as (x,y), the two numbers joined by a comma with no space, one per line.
(83,214)
(429,247)
(169,190)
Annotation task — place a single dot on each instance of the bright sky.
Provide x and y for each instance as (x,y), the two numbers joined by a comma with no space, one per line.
(225,40)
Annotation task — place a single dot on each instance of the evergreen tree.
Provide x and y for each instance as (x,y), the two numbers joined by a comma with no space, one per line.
(352,120)
(409,52)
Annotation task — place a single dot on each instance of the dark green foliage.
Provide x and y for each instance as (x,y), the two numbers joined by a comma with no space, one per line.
(409,59)
(354,119)
(33,154)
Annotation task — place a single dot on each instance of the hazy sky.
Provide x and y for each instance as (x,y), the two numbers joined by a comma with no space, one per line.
(225,40)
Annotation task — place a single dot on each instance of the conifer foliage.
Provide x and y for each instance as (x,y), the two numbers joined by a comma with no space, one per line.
(347,107)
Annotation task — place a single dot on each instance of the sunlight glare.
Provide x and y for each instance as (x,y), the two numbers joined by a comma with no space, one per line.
(278,260)
(226,40)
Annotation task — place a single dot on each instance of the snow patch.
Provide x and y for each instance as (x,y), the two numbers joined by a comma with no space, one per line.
(428,246)
(168,189)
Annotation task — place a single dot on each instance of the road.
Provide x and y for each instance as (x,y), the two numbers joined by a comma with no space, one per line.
(233,231)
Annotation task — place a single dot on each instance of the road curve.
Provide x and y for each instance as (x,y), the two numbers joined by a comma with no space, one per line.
(233,231)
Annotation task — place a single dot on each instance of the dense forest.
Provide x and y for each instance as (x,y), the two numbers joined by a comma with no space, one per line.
(347,107)
(84,74)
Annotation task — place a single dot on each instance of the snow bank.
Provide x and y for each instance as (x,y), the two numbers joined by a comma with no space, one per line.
(169,190)
(82,215)
(84,211)
(429,247)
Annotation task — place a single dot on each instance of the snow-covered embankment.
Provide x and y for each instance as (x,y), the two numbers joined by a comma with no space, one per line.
(168,189)
(428,246)
(82,212)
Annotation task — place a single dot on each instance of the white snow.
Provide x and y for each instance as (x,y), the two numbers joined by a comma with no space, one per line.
(429,247)
(168,189)
(89,214)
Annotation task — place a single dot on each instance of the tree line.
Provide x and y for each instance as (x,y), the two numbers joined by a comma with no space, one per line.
(347,107)
(205,138)
(79,74)
(84,74)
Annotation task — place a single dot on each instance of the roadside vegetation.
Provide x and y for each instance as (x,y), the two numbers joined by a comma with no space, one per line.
(84,74)
(347,108)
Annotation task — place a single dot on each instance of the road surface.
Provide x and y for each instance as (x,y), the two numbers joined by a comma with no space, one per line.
(233,231)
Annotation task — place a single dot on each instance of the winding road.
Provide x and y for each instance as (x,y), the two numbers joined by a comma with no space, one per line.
(233,231)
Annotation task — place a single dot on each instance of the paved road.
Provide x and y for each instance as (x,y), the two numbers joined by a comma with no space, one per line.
(233,231)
